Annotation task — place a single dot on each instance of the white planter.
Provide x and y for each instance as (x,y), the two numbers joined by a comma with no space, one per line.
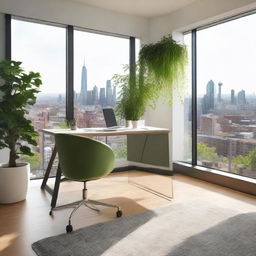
(128,123)
(14,183)
(138,123)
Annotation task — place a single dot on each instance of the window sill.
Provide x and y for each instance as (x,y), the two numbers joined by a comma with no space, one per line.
(229,180)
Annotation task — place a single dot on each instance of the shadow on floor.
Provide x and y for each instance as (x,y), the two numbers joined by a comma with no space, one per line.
(92,240)
(234,237)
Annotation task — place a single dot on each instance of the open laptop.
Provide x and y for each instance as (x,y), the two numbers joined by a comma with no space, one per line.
(110,118)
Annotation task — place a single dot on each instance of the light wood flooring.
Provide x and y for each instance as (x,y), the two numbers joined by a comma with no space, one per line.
(25,222)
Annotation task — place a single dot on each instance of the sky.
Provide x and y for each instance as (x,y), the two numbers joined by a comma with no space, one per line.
(42,48)
(227,53)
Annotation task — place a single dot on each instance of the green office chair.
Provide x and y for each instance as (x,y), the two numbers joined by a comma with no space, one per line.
(84,159)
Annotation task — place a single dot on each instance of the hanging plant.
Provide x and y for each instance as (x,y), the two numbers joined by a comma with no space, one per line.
(160,71)
(165,62)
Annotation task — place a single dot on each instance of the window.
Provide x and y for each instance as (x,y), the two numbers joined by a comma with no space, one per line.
(42,48)
(187,155)
(226,101)
(97,58)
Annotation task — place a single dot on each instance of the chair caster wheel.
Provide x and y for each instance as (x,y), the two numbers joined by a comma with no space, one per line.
(69,228)
(119,214)
(50,212)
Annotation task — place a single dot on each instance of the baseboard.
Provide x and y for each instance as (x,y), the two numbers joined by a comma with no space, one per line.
(229,180)
(144,169)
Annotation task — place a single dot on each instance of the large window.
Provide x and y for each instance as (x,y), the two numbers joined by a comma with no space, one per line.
(187,155)
(42,48)
(97,57)
(226,101)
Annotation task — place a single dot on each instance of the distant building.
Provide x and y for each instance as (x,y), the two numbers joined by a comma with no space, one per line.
(241,98)
(208,99)
(102,99)
(233,100)
(109,93)
(209,124)
(90,98)
(95,95)
(210,93)
(219,94)
(83,91)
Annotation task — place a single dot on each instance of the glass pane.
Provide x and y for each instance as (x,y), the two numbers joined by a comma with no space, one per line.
(187,105)
(226,57)
(42,48)
(97,59)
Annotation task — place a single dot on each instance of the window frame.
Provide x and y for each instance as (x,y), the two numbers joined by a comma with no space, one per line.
(216,176)
(69,53)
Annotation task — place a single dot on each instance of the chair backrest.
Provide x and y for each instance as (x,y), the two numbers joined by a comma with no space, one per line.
(82,158)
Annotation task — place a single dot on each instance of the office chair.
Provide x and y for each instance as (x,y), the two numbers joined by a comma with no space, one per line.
(84,159)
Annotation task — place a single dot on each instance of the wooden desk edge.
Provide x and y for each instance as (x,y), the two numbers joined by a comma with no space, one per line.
(150,130)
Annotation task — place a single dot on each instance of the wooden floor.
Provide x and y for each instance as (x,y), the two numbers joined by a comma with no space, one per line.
(23,223)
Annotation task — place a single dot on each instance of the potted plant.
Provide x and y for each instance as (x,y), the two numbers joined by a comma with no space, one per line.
(17,90)
(159,72)
(133,97)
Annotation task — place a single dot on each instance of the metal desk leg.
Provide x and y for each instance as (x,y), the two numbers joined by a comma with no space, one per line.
(56,187)
(49,167)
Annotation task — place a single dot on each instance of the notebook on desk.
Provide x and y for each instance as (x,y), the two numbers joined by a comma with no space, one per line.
(110,119)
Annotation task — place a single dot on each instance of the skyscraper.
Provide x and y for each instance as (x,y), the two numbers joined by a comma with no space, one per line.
(83,91)
(102,97)
(219,94)
(208,99)
(109,93)
(89,100)
(210,94)
(233,100)
(95,95)
(241,98)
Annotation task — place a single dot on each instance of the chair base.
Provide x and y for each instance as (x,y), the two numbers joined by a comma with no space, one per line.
(86,202)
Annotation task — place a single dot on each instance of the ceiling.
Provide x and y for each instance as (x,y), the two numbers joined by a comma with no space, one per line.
(143,8)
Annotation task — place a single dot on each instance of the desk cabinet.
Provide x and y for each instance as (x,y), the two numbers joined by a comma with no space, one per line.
(148,149)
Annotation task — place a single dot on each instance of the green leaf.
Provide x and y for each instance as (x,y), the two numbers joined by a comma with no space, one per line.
(18,90)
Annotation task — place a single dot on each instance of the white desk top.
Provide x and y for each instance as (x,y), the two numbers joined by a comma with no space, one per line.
(108,131)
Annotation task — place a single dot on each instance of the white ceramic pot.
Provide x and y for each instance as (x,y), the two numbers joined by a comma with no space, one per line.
(128,123)
(135,124)
(14,183)
(138,123)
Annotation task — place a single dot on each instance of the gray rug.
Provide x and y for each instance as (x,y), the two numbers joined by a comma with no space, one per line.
(188,229)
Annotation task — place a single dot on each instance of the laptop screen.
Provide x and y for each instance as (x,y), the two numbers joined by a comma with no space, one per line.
(109,117)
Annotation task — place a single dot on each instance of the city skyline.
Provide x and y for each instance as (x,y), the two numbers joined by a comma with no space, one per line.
(219,57)
(85,97)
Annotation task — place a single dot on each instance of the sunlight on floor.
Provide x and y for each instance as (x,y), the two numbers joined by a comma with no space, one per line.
(6,240)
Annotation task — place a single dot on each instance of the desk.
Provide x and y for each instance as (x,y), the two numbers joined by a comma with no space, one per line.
(89,132)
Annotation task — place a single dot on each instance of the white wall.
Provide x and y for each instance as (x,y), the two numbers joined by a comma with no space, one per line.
(199,13)
(77,14)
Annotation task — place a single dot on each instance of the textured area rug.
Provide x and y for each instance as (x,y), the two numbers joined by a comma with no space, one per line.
(188,229)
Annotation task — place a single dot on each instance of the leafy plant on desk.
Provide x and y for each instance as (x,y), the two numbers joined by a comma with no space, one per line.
(133,98)
(159,72)
(17,90)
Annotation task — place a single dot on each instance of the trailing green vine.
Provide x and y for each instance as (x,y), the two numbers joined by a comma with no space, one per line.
(160,71)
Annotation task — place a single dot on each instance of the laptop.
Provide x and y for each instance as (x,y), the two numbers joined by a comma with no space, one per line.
(110,118)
